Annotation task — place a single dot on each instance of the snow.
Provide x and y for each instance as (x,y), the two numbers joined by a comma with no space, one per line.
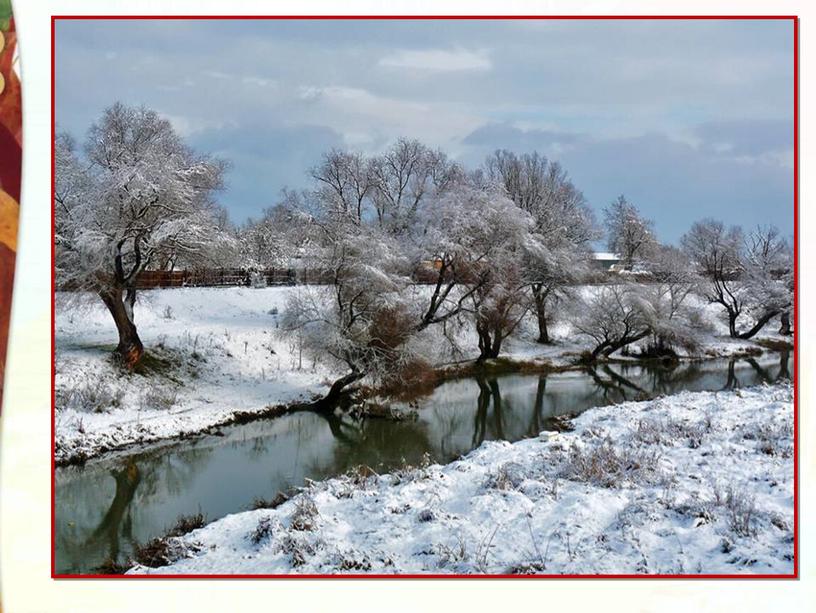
(218,353)
(691,483)
(222,357)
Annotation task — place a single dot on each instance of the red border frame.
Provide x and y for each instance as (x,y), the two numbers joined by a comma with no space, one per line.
(795,21)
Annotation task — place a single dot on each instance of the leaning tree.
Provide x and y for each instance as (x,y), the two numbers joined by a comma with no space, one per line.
(749,276)
(135,194)
(359,320)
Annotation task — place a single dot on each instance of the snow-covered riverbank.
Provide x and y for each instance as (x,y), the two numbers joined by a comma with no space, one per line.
(214,352)
(691,483)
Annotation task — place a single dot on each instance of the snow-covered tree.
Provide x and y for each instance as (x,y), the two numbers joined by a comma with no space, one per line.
(613,317)
(272,240)
(361,320)
(345,184)
(137,193)
(629,233)
(673,321)
(465,239)
(750,277)
(500,304)
(405,178)
(562,220)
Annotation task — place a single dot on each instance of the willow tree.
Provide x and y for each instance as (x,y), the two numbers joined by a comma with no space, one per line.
(135,193)
(563,225)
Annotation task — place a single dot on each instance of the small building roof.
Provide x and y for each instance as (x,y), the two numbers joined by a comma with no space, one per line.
(605,255)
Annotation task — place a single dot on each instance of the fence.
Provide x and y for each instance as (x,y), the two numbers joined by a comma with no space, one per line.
(220,277)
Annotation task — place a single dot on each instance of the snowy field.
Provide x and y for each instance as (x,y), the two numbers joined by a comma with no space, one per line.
(213,352)
(690,483)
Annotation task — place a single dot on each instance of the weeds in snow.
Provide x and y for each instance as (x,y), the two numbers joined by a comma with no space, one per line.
(773,439)
(262,531)
(741,509)
(509,476)
(304,516)
(94,397)
(452,554)
(605,466)
(157,397)
(669,431)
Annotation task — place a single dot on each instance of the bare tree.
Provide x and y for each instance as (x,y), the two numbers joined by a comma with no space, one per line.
(464,240)
(405,177)
(613,318)
(138,193)
(672,320)
(345,183)
(746,275)
(629,233)
(360,321)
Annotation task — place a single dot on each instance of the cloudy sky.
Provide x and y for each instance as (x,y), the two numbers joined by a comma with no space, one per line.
(686,118)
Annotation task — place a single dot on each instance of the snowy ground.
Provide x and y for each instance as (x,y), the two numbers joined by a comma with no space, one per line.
(214,352)
(691,483)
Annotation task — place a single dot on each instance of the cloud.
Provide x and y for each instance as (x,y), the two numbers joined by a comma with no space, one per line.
(672,182)
(509,136)
(681,115)
(747,137)
(438,60)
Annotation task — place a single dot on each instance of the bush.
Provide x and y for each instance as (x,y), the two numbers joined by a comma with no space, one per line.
(187,523)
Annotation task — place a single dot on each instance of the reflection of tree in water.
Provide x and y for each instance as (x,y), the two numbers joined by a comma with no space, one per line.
(764,373)
(171,472)
(761,374)
(378,443)
(613,388)
(140,481)
(105,539)
(489,396)
(784,372)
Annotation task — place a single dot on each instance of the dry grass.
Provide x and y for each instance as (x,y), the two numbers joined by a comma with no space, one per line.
(262,531)
(605,466)
(305,515)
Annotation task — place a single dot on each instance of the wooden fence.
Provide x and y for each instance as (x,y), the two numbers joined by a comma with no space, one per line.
(221,277)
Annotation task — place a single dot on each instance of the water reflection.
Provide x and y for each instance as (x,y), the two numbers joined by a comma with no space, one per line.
(103,509)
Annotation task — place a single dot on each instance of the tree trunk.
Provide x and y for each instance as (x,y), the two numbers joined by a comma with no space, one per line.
(626,340)
(598,349)
(784,323)
(732,324)
(330,400)
(489,343)
(130,349)
(540,297)
(759,324)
